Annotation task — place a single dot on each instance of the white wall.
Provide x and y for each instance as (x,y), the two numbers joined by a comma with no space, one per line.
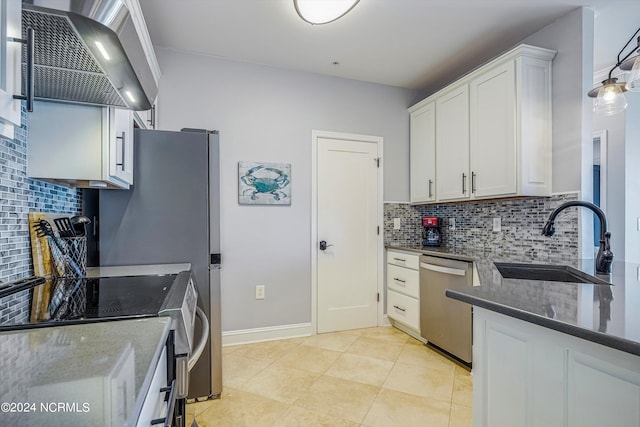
(267,114)
(623,176)
(616,164)
(572,37)
(632,180)
(614,25)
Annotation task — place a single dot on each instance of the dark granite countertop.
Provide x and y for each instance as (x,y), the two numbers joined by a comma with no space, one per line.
(100,372)
(605,314)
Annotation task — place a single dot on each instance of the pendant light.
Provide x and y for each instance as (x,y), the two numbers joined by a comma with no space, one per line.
(323,11)
(609,96)
(633,64)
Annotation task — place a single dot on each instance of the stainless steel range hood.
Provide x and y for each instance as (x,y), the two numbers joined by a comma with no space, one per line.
(88,52)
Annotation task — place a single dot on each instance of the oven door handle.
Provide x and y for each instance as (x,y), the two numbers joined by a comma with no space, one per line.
(204,338)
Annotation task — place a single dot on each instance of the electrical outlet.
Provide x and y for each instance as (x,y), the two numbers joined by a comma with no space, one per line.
(497,224)
(452,224)
(259,291)
(396,223)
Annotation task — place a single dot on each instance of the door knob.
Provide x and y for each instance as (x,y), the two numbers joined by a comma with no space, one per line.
(323,245)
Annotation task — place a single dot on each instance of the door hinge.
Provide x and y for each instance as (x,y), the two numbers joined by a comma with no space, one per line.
(377,160)
(378,297)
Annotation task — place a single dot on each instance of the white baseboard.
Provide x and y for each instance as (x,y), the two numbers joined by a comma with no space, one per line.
(270,333)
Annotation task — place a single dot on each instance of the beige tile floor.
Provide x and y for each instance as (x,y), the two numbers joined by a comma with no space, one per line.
(366,377)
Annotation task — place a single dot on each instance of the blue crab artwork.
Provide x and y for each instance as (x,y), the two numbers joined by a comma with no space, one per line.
(269,183)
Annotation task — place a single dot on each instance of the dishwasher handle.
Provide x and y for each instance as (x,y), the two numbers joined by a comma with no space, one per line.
(445,270)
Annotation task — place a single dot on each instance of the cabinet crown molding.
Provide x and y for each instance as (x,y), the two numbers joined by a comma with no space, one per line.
(526,50)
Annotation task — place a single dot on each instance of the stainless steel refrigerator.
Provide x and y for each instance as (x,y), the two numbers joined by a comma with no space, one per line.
(172,215)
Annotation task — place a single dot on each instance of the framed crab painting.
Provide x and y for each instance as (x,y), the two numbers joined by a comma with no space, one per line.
(264,183)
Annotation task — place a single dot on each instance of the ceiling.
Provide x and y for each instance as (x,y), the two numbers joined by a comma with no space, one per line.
(415,44)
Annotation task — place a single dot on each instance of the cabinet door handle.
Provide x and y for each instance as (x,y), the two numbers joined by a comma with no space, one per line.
(399,280)
(464,183)
(473,182)
(430,192)
(399,308)
(152,121)
(29,87)
(122,150)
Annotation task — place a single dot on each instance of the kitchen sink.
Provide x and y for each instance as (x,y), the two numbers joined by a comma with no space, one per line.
(552,273)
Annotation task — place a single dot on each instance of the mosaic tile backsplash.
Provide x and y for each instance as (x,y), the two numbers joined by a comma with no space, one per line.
(522,221)
(18,196)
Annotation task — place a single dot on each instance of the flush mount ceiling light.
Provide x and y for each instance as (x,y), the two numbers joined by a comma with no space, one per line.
(609,96)
(318,12)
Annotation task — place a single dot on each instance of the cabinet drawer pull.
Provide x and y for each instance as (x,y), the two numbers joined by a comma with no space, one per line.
(400,280)
(399,308)
(400,259)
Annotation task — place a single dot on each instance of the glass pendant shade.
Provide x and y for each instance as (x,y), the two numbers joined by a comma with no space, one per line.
(323,11)
(610,100)
(633,85)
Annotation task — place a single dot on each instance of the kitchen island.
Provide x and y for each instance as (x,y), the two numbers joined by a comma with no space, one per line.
(93,374)
(552,353)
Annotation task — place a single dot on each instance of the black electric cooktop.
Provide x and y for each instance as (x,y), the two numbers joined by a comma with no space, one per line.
(93,299)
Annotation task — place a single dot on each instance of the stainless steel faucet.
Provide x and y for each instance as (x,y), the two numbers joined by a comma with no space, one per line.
(605,256)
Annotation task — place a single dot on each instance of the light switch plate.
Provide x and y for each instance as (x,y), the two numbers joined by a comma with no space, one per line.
(497,224)
(396,223)
(452,223)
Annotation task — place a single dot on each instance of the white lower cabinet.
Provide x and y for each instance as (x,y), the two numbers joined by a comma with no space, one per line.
(403,280)
(527,375)
(403,309)
(403,290)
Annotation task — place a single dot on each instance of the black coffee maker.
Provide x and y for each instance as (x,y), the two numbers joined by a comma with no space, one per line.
(431,234)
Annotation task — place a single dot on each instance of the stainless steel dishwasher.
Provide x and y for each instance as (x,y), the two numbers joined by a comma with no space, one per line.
(444,322)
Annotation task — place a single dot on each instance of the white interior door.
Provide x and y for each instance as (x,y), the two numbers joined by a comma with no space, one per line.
(347,220)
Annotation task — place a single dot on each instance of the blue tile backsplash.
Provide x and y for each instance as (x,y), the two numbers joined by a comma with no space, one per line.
(18,196)
(522,221)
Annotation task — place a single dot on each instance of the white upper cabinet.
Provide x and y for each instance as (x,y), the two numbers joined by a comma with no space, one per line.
(452,144)
(97,154)
(121,145)
(147,119)
(10,66)
(423,153)
(511,127)
(492,131)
